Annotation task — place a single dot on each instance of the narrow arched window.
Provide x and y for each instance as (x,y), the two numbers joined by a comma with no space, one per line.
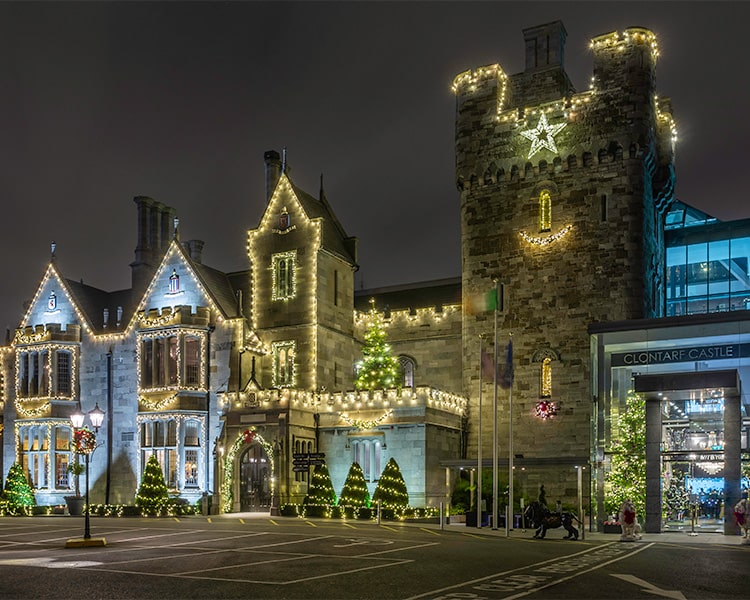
(545,385)
(545,211)
(407,370)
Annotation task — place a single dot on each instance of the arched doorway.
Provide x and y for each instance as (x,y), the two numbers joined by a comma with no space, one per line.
(255,480)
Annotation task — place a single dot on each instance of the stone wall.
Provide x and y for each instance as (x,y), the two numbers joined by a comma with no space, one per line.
(601,257)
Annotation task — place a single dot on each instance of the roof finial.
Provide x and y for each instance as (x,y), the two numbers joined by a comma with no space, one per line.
(176,232)
(52,248)
(322,193)
(283,159)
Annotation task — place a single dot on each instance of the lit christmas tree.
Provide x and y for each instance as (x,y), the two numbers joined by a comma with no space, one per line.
(321,488)
(153,494)
(676,497)
(627,478)
(391,490)
(378,369)
(355,491)
(17,491)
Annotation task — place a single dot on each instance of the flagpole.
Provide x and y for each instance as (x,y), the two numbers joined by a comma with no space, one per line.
(510,446)
(494,426)
(479,443)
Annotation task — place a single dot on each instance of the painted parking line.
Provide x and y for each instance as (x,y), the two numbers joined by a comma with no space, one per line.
(429,531)
(520,582)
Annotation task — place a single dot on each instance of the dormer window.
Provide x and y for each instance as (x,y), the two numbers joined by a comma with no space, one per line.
(174,282)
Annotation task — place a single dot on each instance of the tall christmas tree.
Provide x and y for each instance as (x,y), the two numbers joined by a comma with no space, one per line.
(321,488)
(153,494)
(627,478)
(378,369)
(391,489)
(676,497)
(354,492)
(17,491)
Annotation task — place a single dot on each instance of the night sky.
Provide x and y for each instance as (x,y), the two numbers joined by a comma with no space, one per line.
(100,102)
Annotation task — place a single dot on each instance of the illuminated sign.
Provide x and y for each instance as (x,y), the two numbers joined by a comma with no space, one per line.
(678,355)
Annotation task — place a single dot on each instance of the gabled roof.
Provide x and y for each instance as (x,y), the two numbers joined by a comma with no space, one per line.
(334,238)
(92,301)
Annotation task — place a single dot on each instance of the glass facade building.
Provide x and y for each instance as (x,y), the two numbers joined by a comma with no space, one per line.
(707,263)
(689,368)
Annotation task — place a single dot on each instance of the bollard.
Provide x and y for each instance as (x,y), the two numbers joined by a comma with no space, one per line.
(583,525)
(442,525)
(378,512)
(693,516)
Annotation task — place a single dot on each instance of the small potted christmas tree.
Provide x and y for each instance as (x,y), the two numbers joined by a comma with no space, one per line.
(153,495)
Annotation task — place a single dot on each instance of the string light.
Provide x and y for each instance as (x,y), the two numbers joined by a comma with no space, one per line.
(179,333)
(289,261)
(545,240)
(633,35)
(364,425)
(470,79)
(543,135)
(179,418)
(227,485)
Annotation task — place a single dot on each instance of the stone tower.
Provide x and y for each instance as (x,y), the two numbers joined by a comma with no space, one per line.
(302,269)
(562,199)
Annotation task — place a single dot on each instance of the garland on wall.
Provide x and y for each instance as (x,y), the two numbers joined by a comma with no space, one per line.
(245,438)
(363,424)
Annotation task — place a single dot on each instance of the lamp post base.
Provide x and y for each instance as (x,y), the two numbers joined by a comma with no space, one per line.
(85,542)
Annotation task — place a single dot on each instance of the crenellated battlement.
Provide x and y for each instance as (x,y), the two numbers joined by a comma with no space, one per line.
(484,79)
(619,42)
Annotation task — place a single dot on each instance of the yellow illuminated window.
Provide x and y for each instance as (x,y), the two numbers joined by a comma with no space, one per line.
(546,379)
(545,211)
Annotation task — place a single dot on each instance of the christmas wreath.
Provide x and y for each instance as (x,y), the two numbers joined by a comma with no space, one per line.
(84,441)
(545,409)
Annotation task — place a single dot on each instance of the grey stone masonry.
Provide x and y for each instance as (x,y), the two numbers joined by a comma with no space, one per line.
(562,196)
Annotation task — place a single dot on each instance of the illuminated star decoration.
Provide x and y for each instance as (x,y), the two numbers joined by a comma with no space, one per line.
(542,136)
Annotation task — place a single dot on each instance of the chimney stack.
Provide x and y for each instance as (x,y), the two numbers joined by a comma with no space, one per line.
(154,236)
(195,250)
(273,171)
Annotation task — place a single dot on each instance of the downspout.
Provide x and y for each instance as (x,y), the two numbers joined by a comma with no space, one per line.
(206,453)
(110,442)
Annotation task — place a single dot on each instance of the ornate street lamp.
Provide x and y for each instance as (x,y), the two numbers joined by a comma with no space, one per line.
(84,442)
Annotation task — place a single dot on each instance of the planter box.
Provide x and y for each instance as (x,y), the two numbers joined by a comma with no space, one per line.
(611,528)
(457,519)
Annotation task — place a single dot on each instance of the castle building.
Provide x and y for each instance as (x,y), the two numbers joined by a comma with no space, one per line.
(563,194)
(234,381)
(604,282)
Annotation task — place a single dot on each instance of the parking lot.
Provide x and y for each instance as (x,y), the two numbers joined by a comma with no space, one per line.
(293,558)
